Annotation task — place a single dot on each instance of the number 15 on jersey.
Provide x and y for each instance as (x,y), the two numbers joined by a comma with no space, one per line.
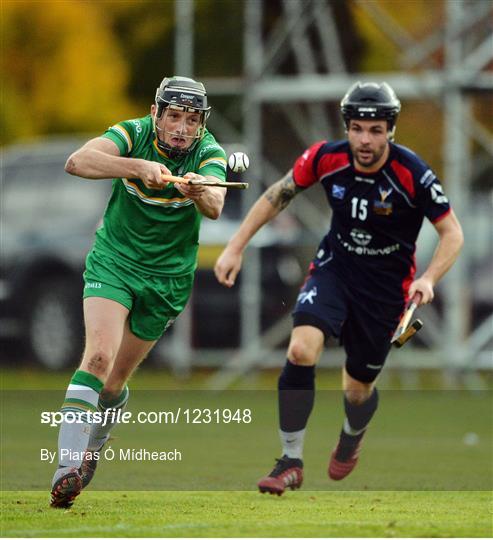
(359,208)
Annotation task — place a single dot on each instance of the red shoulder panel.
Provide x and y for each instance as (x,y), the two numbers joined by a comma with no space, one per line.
(405,176)
(330,163)
(303,173)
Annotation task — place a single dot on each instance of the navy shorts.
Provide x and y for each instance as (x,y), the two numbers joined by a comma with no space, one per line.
(363,326)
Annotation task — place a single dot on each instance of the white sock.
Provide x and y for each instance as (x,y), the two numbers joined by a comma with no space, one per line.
(292,443)
(74,429)
(100,433)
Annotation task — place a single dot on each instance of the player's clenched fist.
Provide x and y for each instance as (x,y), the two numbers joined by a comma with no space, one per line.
(424,285)
(192,192)
(227,267)
(151,172)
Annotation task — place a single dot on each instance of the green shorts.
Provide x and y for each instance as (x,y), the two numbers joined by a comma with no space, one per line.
(154,302)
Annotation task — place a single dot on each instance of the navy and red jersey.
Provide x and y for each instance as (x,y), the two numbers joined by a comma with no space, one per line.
(376,216)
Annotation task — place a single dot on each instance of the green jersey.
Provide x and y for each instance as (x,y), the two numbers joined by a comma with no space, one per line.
(155,230)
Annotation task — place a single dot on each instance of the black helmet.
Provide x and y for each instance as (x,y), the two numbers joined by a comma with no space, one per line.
(371,101)
(184,94)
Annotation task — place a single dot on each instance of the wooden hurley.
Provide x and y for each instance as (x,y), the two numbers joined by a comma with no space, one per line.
(405,331)
(180,180)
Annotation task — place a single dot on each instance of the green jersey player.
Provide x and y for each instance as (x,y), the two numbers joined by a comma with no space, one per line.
(140,271)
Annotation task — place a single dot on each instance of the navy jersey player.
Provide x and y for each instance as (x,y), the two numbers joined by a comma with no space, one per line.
(362,274)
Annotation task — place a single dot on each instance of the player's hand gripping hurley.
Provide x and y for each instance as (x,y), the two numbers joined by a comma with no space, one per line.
(218,183)
(406,331)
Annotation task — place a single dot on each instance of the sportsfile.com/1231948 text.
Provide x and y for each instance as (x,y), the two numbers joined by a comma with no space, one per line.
(180,415)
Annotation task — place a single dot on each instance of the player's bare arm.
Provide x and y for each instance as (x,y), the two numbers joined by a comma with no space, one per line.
(208,200)
(268,206)
(451,240)
(100,158)
(282,192)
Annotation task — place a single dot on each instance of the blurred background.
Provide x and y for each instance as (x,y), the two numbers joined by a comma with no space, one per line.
(275,72)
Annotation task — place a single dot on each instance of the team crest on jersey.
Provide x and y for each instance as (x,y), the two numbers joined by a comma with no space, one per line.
(382,207)
(338,191)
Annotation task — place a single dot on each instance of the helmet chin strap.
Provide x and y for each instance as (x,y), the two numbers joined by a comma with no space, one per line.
(391,133)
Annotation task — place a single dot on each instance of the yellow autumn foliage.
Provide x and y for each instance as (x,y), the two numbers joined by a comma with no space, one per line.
(61,68)
(398,20)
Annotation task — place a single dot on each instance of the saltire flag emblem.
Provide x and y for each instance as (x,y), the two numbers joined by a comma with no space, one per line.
(338,191)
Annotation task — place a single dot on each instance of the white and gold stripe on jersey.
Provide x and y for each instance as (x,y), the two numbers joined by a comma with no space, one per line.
(175,202)
(214,161)
(120,130)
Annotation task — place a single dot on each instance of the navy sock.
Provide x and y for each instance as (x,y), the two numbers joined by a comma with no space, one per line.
(357,419)
(296,388)
(359,416)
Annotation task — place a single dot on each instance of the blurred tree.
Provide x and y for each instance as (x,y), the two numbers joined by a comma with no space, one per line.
(144,33)
(381,54)
(149,46)
(416,19)
(219,52)
(62,69)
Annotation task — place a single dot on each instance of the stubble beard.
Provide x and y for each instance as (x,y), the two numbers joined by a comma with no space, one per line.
(365,164)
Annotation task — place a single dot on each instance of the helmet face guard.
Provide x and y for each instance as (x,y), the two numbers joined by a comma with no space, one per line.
(185,95)
(371,101)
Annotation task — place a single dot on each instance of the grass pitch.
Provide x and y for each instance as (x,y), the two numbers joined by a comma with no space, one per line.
(431,480)
(249,514)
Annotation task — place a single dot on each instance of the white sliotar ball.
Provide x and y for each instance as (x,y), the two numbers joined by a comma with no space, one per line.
(238,162)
